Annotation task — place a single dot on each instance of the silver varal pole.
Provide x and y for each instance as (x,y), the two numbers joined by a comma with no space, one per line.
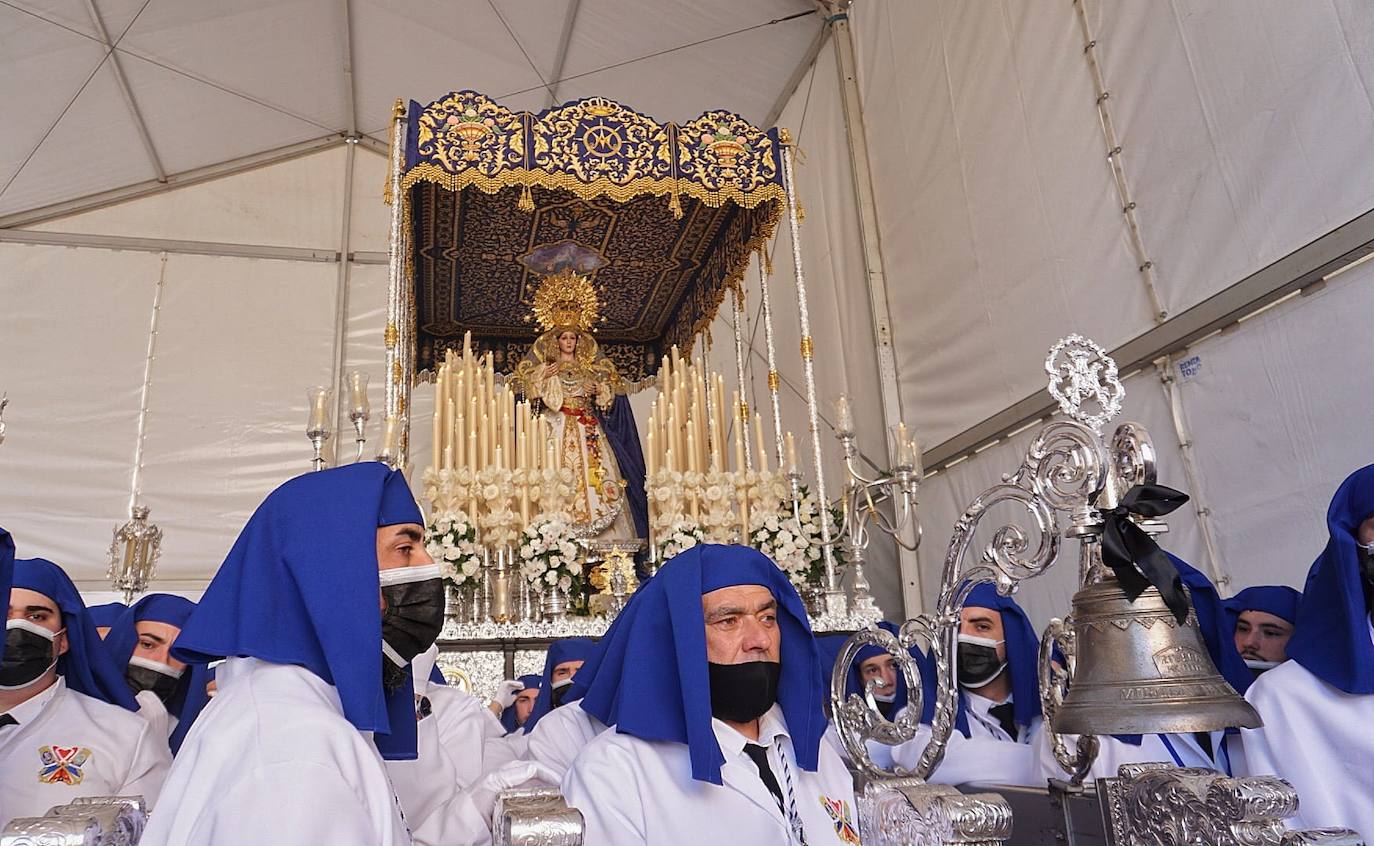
(394,283)
(774,381)
(741,411)
(834,598)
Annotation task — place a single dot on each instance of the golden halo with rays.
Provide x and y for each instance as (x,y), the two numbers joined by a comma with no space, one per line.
(566,298)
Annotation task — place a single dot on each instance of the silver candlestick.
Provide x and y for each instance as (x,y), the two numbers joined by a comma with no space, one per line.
(319,400)
(4,401)
(862,496)
(359,411)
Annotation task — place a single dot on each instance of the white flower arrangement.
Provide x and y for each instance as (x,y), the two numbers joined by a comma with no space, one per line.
(549,553)
(680,536)
(452,542)
(794,545)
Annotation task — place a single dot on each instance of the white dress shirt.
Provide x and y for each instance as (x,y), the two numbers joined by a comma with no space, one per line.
(634,791)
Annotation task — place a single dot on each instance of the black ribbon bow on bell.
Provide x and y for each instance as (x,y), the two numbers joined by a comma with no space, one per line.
(1134,556)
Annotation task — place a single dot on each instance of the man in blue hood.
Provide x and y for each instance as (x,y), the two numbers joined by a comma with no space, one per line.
(1264,616)
(326,597)
(1318,706)
(711,681)
(67,722)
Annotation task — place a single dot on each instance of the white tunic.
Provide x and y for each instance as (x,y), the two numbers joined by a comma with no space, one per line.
(271,759)
(1318,738)
(1181,750)
(561,735)
(634,791)
(67,745)
(431,789)
(987,756)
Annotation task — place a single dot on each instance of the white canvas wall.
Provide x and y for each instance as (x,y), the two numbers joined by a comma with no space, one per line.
(1001,231)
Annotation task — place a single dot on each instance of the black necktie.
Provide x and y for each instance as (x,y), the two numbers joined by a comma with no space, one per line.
(1203,738)
(1004,715)
(759,756)
(7,720)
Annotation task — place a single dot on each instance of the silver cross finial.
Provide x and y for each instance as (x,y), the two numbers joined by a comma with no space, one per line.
(1082,375)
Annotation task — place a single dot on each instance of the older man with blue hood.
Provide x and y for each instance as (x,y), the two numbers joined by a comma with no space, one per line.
(712,683)
(325,599)
(1318,706)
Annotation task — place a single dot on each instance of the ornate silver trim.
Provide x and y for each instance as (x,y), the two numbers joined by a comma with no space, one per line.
(1159,805)
(1080,372)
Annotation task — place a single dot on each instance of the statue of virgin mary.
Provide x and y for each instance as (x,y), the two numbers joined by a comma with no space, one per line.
(582,396)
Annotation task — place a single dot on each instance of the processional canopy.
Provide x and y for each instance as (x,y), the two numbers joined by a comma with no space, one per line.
(659,218)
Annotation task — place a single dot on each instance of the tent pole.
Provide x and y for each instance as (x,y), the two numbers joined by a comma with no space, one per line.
(861,170)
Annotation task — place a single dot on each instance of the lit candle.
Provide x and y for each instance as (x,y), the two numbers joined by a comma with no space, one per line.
(791,450)
(844,416)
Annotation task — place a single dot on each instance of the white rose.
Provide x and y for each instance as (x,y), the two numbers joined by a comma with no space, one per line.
(551,577)
(471,566)
(565,582)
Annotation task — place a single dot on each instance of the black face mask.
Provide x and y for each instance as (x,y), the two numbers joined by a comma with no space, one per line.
(411,623)
(140,678)
(978,664)
(28,655)
(744,692)
(558,692)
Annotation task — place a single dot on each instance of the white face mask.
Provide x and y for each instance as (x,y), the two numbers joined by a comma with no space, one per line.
(1261,666)
(561,683)
(885,697)
(156,666)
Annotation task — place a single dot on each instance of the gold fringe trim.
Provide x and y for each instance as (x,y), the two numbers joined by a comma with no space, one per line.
(616,191)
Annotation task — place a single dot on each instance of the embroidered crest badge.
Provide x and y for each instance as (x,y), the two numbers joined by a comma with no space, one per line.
(62,764)
(838,809)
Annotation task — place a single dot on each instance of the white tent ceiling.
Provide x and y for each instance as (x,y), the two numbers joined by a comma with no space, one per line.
(101,94)
(1244,126)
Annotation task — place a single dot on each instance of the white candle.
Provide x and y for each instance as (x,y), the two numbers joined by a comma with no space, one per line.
(791,450)
(758,443)
(390,435)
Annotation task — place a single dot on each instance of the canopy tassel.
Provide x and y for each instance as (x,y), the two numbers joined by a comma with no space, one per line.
(526,203)
(675,206)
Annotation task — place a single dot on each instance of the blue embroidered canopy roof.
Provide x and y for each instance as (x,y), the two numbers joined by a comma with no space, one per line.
(662,216)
